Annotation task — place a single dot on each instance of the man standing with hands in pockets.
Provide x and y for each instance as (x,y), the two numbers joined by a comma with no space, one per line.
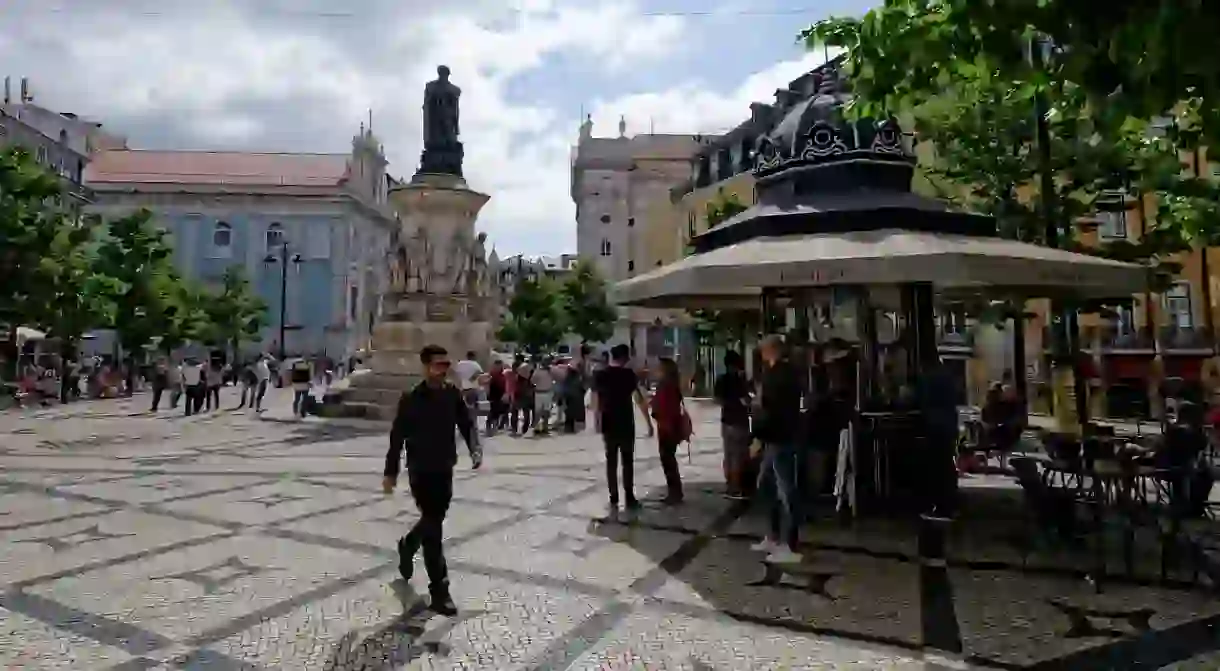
(424,426)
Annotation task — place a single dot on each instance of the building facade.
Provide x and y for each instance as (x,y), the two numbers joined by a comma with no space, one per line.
(616,183)
(60,142)
(225,209)
(514,269)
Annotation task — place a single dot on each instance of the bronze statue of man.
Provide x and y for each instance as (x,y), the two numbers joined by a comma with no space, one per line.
(441,111)
(442,151)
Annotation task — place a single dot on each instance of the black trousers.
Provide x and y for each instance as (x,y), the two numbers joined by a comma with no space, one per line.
(157,391)
(669,465)
(620,447)
(432,491)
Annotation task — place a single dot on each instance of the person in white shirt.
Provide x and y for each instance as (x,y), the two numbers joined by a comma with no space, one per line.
(544,396)
(193,383)
(262,375)
(173,376)
(469,373)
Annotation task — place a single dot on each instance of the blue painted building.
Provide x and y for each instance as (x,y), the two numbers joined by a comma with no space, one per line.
(225,209)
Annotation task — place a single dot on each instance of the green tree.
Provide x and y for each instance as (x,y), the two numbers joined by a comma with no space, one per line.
(589,312)
(187,317)
(31,223)
(723,207)
(136,252)
(74,294)
(1130,58)
(234,314)
(535,319)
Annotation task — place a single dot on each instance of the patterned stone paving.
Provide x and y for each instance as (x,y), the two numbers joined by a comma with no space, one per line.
(137,541)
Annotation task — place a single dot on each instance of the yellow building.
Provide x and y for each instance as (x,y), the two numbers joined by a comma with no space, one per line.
(1159,336)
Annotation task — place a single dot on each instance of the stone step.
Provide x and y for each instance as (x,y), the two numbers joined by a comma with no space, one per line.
(372,395)
(362,410)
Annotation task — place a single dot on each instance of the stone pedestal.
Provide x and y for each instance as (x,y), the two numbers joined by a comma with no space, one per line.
(432,304)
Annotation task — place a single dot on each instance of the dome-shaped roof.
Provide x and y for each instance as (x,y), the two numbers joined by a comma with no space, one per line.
(814,131)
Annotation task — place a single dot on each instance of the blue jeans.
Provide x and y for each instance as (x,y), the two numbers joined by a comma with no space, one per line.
(781,472)
(298,401)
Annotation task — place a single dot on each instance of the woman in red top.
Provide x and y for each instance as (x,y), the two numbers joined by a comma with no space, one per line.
(672,426)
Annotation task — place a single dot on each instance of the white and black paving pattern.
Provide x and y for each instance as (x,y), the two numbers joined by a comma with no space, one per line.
(132,541)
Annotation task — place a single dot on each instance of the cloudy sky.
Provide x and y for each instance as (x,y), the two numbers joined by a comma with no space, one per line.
(300,75)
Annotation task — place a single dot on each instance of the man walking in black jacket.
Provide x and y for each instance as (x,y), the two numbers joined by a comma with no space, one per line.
(424,425)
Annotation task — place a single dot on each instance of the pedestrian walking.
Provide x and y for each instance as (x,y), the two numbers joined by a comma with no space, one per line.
(496,397)
(673,426)
(732,392)
(616,389)
(778,427)
(160,380)
(248,382)
(468,373)
(525,399)
(213,377)
(543,381)
(262,375)
(300,377)
(423,428)
(173,376)
(193,383)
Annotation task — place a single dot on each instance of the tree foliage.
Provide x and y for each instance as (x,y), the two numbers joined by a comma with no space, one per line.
(1136,59)
(535,318)
(68,274)
(722,207)
(234,314)
(587,307)
(31,222)
(136,252)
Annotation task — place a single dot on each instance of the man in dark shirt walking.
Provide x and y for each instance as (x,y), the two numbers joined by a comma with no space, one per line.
(424,425)
(732,392)
(777,426)
(616,389)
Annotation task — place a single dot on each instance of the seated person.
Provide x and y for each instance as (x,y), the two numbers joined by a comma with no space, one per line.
(1002,419)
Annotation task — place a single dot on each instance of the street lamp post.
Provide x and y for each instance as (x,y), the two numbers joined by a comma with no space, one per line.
(282,259)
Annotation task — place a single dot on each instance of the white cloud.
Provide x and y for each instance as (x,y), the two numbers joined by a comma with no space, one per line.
(691,107)
(299,75)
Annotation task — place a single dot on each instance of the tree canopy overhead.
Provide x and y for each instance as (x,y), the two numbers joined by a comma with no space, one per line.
(1137,59)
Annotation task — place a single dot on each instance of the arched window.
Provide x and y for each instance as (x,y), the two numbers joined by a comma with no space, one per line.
(605,247)
(222,241)
(275,238)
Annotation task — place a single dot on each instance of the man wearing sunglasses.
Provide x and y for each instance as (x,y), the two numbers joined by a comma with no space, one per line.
(424,426)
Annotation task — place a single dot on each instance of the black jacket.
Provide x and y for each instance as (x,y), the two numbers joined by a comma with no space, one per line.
(424,425)
(779,417)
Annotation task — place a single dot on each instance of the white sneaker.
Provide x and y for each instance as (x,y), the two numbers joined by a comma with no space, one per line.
(784,556)
(765,545)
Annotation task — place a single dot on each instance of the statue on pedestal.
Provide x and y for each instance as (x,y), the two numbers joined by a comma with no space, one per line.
(477,281)
(419,272)
(397,263)
(459,263)
(442,151)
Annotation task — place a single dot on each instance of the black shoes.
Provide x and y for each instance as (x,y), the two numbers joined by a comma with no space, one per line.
(442,604)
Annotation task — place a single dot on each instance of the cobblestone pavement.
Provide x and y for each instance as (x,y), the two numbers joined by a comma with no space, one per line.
(225,541)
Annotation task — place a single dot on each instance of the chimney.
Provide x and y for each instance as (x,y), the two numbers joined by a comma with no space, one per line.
(8,89)
(25,91)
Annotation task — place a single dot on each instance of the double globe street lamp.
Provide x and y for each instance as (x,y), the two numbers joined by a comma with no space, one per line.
(282,257)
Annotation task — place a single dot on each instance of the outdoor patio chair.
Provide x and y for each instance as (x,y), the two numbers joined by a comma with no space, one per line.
(1051,513)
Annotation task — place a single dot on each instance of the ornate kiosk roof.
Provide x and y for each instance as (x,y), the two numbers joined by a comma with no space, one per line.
(818,172)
